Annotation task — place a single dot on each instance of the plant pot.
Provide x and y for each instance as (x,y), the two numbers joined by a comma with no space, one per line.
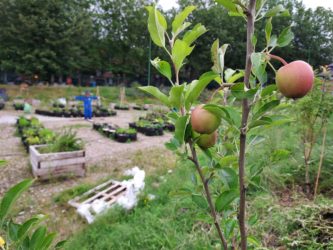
(125,137)
(2,105)
(132,125)
(152,131)
(169,126)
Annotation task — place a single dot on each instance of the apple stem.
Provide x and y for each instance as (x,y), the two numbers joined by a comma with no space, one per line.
(280,59)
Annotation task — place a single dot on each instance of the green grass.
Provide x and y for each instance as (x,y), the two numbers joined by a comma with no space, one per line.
(63,197)
(47,94)
(166,222)
(172,222)
(3,163)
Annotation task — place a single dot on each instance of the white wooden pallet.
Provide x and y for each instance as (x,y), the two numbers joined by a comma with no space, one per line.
(107,192)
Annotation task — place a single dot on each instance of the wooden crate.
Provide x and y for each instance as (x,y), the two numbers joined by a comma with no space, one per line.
(107,192)
(45,166)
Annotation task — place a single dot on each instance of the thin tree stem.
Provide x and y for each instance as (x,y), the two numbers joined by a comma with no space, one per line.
(280,59)
(208,196)
(243,129)
(322,153)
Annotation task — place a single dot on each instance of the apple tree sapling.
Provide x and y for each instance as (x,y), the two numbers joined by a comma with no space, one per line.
(213,136)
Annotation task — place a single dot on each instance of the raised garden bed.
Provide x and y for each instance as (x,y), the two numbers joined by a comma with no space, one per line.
(116,133)
(50,165)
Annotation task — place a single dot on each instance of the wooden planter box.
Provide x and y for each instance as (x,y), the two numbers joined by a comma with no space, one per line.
(45,166)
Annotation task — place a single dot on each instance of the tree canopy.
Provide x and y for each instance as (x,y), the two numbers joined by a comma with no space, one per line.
(64,37)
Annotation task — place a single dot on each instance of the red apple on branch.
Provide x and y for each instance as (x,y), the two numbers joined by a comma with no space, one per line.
(295,79)
(203,121)
(207,140)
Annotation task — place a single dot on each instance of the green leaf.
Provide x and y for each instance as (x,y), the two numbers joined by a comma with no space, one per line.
(217,55)
(172,145)
(228,73)
(180,51)
(11,196)
(265,108)
(193,34)
(285,37)
(268,30)
(278,10)
(259,66)
(48,241)
(176,95)
(38,237)
(157,26)
(229,177)
(229,114)
(228,4)
(156,93)
(60,244)
(163,67)
(238,91)
(228,160)
(180,18)
(262,121)
(200,201)
(13,230)
(195,88)
(235,77)
(272,42)
(253,241)
(225,199)
(181,125)
(268,90)
(28,225)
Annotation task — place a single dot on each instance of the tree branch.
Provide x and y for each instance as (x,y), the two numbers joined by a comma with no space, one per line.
(194,159)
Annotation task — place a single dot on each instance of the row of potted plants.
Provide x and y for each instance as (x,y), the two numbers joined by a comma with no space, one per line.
(120,106)
(75,112)
(32,132)
(147,127)
(116,133)
(153,124)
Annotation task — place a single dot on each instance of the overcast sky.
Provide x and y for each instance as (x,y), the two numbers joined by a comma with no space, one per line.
(168,4)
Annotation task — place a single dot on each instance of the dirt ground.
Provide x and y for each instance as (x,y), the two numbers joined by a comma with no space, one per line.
(105,158)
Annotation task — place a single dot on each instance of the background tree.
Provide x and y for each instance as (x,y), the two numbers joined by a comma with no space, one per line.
(48,38)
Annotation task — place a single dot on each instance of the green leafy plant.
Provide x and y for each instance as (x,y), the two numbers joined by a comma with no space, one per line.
(27,235)
(129,131)
(65,142)
(218,187)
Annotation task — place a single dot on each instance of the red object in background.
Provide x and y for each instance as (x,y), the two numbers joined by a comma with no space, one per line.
(69,80)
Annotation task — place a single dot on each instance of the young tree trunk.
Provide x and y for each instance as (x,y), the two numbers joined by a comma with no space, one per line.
(52,79)
(243,130)
(322,154)
(60,79)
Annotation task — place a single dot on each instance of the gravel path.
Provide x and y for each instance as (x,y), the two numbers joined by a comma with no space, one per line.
(105,158)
